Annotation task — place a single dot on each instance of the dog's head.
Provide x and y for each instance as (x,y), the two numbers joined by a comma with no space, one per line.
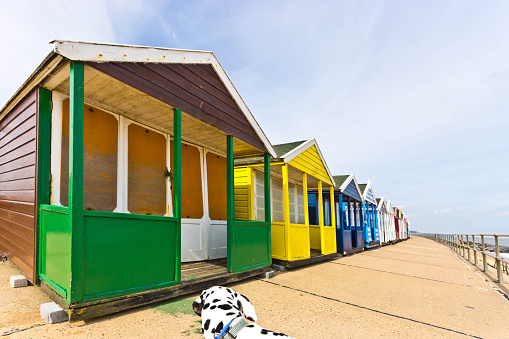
(218,305)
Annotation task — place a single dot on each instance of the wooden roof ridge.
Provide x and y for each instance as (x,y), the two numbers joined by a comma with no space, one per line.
(108,52)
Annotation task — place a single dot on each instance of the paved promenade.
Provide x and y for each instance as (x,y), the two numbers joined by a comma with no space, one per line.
(414,289)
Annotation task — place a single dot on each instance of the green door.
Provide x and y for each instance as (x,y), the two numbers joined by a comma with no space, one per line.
(248,244)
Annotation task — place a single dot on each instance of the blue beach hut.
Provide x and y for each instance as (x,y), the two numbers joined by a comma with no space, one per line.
(348,212)
(369,207)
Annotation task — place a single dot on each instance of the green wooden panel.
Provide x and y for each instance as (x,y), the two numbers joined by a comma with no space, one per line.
(177,187)
(43,165)
(76,129)
(251,239)
(230,205)
(266,165)
(55,248)
(124,255)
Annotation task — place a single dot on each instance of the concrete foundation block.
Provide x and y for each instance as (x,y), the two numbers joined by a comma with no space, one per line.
(279,268)
(269,275)
(52,313)
(18,281)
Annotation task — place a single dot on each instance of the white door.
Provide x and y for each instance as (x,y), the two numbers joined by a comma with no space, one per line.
(194,211)
(214,169)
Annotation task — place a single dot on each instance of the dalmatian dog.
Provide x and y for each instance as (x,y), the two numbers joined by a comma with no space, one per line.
(223,316)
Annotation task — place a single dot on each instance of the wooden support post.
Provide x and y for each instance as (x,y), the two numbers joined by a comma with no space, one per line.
(364,207)
(286,210)
(76,131)
(474,250)
(500,277)
(462,246)
(320,209)
(468,248)
(377,225)
(266,191)
(306,209)
(484,263)
(230,203)
(332,207)
(43,166)
(177,186)
(305,193)
(348,216)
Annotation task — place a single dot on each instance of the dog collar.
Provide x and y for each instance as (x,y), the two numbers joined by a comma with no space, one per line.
(231,331)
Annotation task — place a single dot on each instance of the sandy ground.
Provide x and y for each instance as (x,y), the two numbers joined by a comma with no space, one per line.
(417,288)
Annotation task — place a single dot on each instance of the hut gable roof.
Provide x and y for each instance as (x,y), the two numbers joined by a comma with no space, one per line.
(191,80)
(307,157)
(367,192)
(282,149)
(348,185)
(380,204)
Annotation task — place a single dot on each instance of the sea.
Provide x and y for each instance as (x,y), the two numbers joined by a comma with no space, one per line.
(502,241)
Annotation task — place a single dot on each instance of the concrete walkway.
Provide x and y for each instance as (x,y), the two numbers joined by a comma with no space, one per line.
(417,288)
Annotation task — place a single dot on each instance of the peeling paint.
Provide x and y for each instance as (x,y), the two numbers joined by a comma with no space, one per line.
(175,307)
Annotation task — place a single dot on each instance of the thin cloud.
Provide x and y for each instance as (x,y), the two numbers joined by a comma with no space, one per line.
(503,214)
(443,211)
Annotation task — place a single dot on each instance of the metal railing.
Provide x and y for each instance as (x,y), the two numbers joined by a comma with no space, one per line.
(461,244)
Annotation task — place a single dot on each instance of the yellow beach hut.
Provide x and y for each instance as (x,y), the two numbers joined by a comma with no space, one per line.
(299,165)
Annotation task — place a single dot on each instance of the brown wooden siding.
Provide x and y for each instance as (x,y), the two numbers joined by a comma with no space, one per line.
(196,89)
(17,184)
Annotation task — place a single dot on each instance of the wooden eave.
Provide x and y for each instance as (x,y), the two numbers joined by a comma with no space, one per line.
(47,66)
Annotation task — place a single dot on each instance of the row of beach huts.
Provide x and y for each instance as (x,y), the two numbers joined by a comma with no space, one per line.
(130,175)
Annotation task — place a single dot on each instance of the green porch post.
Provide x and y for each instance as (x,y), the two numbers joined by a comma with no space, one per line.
(266,187)
(43,165)
(177,188)
(230,202)
(76,125)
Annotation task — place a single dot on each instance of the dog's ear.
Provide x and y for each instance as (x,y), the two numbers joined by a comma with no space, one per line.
(247,308)
(197,305)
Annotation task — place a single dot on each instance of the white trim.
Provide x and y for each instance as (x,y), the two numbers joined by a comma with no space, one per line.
(57,100)
(366,190)
(379,205)
(292,154)
(289,156)
(347,182)
(100,52)
(122,163)
(107,52)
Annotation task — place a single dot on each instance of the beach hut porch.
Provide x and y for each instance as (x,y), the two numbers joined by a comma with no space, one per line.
(296,239)
(131,186)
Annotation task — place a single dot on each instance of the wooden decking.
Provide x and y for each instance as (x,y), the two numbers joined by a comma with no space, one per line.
(203,270)
(195,277)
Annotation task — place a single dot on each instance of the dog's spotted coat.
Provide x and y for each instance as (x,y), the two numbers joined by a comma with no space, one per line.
(218,305)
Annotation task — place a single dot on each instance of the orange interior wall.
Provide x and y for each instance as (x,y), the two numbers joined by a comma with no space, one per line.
(146,171)
(216,176)
(192,197)
(99,159)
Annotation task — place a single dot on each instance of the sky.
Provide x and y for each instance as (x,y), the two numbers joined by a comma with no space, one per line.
(412,95)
